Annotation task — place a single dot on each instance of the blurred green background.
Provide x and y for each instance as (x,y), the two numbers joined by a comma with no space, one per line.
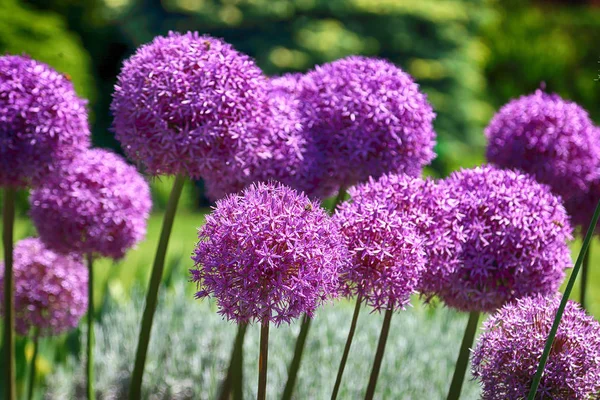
(469,56)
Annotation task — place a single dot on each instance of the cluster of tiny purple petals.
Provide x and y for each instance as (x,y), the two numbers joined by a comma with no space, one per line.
(50,289)
(95,203)
(190,104)
(432,208)
(387,257)
(516,234)
(548,137)
(509,349)
(41,120)
(268,254)
(369,118)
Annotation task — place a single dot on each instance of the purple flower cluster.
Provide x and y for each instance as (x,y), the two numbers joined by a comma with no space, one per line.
(190,104)
(516,235)
(50,289)
(387,255)
(268,254)
(369,118)
(41,120)
(509,349)
(95,203)
(548,137)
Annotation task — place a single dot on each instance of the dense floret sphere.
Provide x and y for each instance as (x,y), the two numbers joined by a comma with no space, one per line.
(41,120)
(190,104)
(548,137)
(369,118)
(508,351)
(387,256)
(96,203)
(50,289)
(268,254)
(433,210)
(516,233)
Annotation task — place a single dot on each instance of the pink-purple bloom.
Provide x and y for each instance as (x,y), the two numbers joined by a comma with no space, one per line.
(509,349)
(95,203)
(551,138)
(41,120)
(50,289)
(268,254)
(369,118)
(387,255)
(191,104)
(516,233)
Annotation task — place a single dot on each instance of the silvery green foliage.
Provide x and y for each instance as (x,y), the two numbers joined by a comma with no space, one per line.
(191,345)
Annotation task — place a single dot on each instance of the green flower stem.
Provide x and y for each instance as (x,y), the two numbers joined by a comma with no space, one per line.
(338,199)
(463,357)
(263,361)
(385,330)
(295,364)
(32,366)
(91,395)
(584,277)
(235,371)
(8,218)
(338,379)
(561,308)
(135,390)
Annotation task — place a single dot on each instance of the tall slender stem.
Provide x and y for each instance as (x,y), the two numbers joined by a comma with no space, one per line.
(385,330)
(90,332)
(561,308)
(338,379)
(235,377)
(584,277)
(8,218)
(135,390)
(295,364)
(463,357)
(263,361)
(32,366)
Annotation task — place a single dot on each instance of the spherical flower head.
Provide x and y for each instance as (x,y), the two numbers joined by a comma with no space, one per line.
(268,254)
(95,203)
(548,137)
(387,256)
(41,120)
(433,210)
(50,289)
(508,351)
(190,104)
(516,239)
(370,119)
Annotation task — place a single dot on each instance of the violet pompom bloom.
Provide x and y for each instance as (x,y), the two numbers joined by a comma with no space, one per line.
(387,256)
(509,349)
(516,239)
(548,137)
(41,120)
(190,104)
(51,290)
(433,210)
(96,203)
(370,119)
(268,254)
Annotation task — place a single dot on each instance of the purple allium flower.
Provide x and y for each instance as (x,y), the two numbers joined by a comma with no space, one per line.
(369,117)
(41,120)
(432,208)
(548,137)
(516,233)
(190,104)
(50,289)
(269,253)
(509,349)
(96,203)
(387,256)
